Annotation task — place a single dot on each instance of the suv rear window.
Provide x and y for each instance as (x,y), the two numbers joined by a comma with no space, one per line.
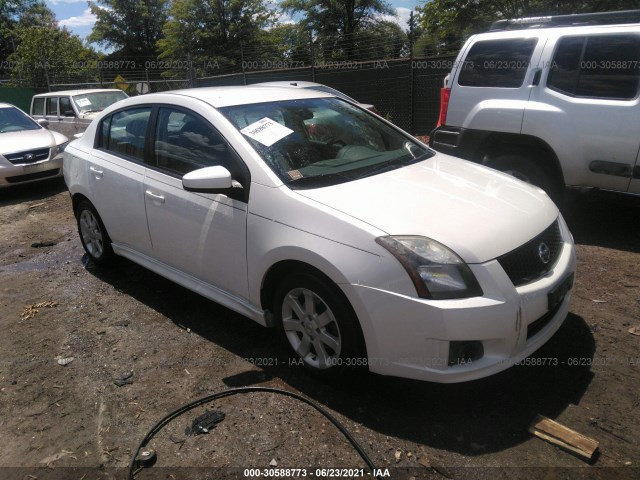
(602,66)
(497,63)
(38,106)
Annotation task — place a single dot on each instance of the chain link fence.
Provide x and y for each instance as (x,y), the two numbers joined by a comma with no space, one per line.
(405,90)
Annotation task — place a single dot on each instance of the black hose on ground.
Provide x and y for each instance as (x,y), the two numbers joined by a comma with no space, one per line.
(233,391)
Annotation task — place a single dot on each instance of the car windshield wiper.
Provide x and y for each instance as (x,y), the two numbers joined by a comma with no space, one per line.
(393,164)
(318,180)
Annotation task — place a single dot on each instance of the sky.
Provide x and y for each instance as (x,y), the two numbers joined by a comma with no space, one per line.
(76,16)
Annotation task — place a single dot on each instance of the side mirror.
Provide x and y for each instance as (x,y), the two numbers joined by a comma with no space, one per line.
(208,180)
(43,122)
(69,113)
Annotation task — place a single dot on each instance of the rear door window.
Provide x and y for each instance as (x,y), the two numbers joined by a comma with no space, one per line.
(497,63)
(124,133)
(52,106)
(600,66)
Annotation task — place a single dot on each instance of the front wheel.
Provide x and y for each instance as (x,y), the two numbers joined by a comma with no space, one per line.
(317,324)
(93,235)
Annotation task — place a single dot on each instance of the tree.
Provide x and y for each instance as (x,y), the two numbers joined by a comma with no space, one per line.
(447,23)
(337,23)
(290,42)
(47,54)
(384,39)
(12,12)
(207,32)
(131,27)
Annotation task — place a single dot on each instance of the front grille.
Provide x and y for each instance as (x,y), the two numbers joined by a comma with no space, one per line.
(28,156)
(33,176)
(525,264)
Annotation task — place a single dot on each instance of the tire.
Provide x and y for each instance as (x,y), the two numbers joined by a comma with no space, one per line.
(93,235)
(318,325)
(526,169)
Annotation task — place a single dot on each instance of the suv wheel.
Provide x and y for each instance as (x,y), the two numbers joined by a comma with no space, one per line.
(317,324)
(94,237)
(528,170)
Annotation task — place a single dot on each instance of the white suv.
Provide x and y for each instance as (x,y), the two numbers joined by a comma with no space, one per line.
(551,103)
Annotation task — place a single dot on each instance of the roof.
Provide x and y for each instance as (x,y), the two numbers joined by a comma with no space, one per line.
(227,96)
(77,92)
(7,105)
(574,20)
(289,83)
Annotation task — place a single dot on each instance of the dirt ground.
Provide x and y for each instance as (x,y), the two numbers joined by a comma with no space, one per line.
(72,421)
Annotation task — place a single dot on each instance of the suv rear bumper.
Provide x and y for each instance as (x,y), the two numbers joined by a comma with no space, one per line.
(459,142)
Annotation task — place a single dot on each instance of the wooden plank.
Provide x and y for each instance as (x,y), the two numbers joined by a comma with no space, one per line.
(564,437)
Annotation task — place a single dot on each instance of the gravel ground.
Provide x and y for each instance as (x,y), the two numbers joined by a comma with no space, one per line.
(72,421)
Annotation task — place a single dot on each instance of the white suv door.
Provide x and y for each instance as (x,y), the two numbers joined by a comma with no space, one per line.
(202,235)
(587,107)
(492,84)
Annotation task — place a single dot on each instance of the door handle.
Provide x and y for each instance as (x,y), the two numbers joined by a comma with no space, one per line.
(154,197)
(98,173)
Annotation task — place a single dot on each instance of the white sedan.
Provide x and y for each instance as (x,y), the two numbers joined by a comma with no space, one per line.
(359,243)
(28,151)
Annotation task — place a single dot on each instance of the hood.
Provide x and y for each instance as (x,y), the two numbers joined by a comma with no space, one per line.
(11,142)
(476,211)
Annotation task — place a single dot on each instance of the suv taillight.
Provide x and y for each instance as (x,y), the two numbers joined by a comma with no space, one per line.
(445,93)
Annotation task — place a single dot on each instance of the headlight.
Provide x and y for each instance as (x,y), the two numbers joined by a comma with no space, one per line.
(436,271)
(60,148)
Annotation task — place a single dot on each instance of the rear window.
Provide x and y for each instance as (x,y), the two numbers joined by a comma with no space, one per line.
(497,63)
(602,66)
(38,106)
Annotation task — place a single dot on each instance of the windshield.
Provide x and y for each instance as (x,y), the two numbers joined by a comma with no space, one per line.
(13,120)
(98,101)
(322,141)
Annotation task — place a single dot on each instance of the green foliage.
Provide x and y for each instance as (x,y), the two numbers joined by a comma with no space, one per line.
(130,27)
(447,24)
(381,41)
(16,13)
(336,24)
(47,52)
(285,41)
(333,17)
(211,32)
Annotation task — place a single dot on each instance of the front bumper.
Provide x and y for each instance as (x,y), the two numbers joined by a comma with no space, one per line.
(411,337)
(11,174)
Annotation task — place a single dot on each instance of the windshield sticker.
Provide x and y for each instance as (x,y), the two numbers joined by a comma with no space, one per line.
(266,131)
(294,174)
(83,102)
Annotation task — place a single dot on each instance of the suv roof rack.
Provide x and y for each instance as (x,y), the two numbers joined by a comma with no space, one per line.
(601,18)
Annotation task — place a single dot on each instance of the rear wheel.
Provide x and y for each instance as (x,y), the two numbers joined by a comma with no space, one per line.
(528,170)
(317,324)
(93,235)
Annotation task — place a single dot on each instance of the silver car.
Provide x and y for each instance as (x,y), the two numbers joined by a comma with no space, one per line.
(70,112)
(28,151)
